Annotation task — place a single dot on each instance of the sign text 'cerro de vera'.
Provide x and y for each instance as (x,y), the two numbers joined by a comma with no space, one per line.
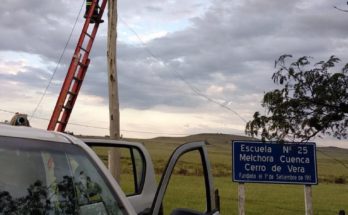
(260,162)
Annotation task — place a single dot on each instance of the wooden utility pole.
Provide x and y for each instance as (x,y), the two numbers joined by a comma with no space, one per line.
(114,156)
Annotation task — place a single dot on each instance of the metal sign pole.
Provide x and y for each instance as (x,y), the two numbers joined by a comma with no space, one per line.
(308,199)
(241,199)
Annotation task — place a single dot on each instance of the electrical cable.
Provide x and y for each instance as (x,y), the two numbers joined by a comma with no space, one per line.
(340,9)
(149,132)
(99,127)
(193,89)
(58,63)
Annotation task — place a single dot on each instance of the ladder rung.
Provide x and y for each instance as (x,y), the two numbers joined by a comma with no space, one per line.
(82,64)
(72,93)
(61,122)
(67,107)
(77,79)
(85,50)
(90,36)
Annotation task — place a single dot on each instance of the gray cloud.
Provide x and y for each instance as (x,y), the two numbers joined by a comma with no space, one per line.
(159,10)
(234,43)
(39,26)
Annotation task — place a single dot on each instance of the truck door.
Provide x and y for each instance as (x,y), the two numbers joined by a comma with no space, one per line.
(137,172)
(210,204)
(148,198)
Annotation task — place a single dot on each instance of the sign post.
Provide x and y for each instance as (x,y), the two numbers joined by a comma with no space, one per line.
(289,163)
(241,199)
(308,199)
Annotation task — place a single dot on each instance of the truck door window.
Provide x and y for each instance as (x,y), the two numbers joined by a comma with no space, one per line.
(40,177)
(186,195)
(132,167)
(186,188)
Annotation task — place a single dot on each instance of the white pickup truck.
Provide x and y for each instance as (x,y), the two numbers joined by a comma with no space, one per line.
(44,172)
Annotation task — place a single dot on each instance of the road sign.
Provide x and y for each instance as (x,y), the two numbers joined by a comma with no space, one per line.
(260,162)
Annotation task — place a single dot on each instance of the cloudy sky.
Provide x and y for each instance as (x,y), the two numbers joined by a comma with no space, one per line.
(179,61)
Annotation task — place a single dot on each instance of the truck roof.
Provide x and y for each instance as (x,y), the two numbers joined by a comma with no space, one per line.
(32,133)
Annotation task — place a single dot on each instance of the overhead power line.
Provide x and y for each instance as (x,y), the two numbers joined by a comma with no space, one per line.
(346,11)
(58,63)
(165,133)
(103,128)
(195,90)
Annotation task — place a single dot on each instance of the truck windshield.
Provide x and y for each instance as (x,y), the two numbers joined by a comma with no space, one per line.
(39,177)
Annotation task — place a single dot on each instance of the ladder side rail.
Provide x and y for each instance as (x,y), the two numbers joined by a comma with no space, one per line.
(72,98)
(63,93)
(102,8)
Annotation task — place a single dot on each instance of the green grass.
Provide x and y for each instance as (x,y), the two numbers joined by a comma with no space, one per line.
(186,187)
(260,198)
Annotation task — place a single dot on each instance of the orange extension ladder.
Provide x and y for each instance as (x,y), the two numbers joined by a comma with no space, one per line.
(77,70)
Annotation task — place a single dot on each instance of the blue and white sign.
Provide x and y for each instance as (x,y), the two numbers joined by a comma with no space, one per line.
(274,163)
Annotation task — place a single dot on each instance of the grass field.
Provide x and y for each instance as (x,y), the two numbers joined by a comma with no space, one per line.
(260,199)
(186,187)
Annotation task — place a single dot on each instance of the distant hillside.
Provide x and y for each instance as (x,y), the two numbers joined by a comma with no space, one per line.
(210,138)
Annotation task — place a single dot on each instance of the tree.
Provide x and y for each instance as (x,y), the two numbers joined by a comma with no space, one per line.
(312,100)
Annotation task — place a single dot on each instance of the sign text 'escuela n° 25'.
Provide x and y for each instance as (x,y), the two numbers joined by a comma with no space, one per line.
(259,162)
